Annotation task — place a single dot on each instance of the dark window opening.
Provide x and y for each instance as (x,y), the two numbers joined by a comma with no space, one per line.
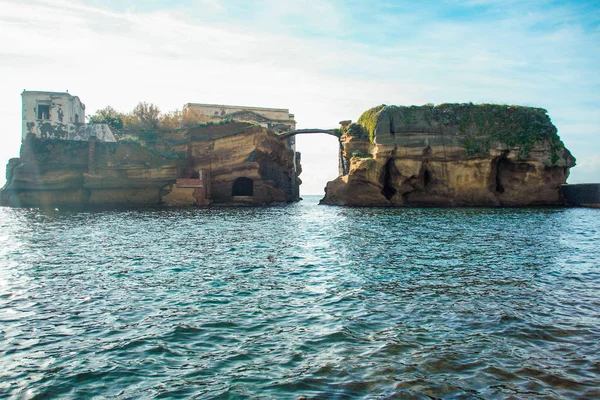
(43,111)
(76,118)
(243,187)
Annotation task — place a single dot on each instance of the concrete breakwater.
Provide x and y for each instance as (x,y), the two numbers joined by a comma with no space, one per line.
(582,194)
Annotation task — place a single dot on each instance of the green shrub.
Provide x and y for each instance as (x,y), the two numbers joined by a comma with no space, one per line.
(360,154)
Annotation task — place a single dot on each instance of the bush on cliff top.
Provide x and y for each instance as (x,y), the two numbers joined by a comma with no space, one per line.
(481,124)
(147,117)
(357,131)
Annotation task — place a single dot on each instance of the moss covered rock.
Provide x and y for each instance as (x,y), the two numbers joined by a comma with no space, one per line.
(454,154)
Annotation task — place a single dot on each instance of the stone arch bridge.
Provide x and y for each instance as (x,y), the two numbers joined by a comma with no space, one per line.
(333,132)
(343,162)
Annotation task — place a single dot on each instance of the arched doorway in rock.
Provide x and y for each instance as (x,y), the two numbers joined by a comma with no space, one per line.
(243,187)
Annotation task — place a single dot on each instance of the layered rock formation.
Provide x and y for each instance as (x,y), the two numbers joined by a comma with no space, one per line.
(197,166)
(235,150)
(60,172)
(451,155)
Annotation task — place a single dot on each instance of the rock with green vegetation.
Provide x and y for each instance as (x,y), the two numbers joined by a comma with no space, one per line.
(153,167)
(451,155)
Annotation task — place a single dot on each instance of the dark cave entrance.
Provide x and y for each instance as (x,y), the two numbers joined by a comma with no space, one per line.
(243,187)
(502,167)
(388,190)
(426,178)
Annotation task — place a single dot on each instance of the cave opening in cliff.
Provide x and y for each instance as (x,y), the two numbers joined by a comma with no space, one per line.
(243,187)
(388,189)
(502,167)
(426,178)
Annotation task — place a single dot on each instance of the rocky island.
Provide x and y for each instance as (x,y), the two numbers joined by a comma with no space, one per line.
(221,155)
(451,155)
(444,155)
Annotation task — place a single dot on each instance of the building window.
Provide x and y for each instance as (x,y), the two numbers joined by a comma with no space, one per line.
(43,111)
(76,118)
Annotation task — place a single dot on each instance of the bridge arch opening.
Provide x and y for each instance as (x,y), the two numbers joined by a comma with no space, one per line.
(319,161)
(243,187)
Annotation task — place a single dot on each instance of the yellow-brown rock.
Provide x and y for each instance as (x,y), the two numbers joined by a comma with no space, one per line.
(196,166)
(452,155)
(60,172)
(227,152)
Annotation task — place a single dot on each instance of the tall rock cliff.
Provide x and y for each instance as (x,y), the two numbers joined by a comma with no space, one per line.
(451,155)
(147,168)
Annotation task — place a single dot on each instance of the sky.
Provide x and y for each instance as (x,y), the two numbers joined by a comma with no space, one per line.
(325,60)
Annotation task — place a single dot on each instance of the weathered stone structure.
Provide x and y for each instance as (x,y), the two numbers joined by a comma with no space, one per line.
(234,163)
(245,163)
(221,162)
(276,119)
(451,155)
(59,115)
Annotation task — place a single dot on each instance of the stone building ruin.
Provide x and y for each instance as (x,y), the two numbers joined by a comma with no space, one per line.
(59,115)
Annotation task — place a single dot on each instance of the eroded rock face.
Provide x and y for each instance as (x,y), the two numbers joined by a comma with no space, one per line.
(452,155)
(251,152)
(59,172)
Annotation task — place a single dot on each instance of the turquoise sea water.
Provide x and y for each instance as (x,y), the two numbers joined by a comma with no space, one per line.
(300,300)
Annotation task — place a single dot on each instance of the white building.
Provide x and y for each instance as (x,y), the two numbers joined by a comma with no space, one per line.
(59,115)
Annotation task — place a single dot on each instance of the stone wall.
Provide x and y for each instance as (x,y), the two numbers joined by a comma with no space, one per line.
(583,194)
(57,115)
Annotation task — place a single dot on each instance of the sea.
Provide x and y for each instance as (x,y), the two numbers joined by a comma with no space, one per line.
(300,301)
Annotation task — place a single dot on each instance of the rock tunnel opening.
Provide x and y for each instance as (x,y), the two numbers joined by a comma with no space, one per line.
(509,174)
(502,167)
(426,178)
(388,190)
(243,187)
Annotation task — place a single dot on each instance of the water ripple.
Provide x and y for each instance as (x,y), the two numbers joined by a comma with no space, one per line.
(301,300)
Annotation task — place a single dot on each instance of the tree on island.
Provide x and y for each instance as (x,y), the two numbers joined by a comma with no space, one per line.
(144,117)
(108,115)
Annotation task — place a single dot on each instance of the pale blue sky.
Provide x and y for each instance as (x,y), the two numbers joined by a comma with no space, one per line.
(324,60)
